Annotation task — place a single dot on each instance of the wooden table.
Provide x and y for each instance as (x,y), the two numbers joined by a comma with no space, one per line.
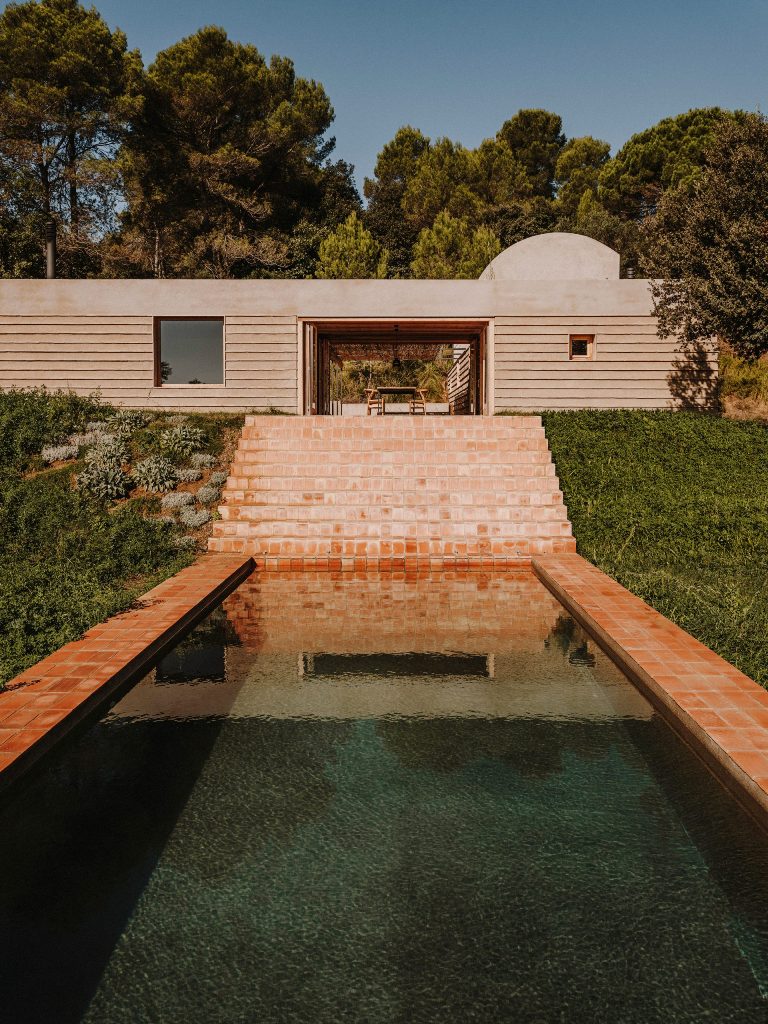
(416,397)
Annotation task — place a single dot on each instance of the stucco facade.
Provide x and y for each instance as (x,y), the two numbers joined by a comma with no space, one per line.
(99,335)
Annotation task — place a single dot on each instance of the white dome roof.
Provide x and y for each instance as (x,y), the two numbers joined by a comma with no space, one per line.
(555,256)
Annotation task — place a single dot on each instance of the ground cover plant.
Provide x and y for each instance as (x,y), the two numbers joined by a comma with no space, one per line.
(675,507)
(80,536)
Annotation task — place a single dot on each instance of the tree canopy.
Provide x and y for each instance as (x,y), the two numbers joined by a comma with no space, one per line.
(216,161)
(451,249)
(710,244)
(228,162)
(669,154)
(351,252)
(69,89)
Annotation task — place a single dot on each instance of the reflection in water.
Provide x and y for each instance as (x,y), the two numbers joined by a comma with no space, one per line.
(407,801)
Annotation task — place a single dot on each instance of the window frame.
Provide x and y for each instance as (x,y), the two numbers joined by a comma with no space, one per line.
(590,340)
(158,381)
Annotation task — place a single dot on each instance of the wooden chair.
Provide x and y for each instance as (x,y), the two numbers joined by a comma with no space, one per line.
(372,401)
(419,402)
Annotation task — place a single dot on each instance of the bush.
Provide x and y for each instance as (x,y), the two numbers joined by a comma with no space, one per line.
(742,378)
(59,453)
(189,476)
(217,479)
(97,427)
(126,421)
(207,495)
(178,499)
(33,418)
(202,460)
(67,562)
(180,442)
(155,474)
(109,449)
(192,519)
(86,440)
(106,480)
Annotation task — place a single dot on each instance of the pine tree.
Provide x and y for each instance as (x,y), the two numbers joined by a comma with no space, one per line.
(351,252)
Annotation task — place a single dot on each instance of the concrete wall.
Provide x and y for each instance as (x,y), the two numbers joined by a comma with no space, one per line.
(98,335)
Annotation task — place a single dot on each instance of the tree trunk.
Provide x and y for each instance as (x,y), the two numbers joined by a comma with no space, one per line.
(74,207)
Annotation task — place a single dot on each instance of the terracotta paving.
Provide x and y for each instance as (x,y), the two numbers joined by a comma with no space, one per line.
(720,711)
(49,699)
(323,492)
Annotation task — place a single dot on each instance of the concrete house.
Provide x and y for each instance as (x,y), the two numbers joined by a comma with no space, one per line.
(549,325)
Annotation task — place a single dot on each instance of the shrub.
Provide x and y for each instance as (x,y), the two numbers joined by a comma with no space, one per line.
(202,460)
(194,519)
(84,440)
(32,418)
(188,476)
(126,421)
(111,449)
(178,499)
(59,453)
(743,378)
(181,441)
(185,542)
(217,479)
(106,480)
(178,420)
(97,427)
(165,520)
(207,495)
(155,474)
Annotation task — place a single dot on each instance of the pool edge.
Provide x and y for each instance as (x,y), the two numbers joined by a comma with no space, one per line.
(67,689)
(641,641)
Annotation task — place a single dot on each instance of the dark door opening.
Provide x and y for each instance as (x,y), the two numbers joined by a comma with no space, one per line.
(381,367)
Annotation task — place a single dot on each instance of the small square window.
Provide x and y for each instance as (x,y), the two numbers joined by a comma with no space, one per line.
(189,350)
(581,346)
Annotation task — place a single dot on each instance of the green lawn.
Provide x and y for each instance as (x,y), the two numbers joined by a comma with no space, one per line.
(68,560)
(675,507)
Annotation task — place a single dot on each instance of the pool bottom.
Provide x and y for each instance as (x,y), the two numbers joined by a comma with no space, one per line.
(253,846)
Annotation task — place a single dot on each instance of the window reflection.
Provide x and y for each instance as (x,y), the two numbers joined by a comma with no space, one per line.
(190,351)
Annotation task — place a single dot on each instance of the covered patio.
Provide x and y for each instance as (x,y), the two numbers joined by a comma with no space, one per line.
(412,367)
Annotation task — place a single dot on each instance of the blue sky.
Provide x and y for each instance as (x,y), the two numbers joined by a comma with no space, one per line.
(459,68)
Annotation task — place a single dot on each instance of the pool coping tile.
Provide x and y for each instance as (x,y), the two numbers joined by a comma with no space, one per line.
(718,710)
(71,686)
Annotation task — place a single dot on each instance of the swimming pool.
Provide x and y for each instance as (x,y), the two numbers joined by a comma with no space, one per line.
(348,797)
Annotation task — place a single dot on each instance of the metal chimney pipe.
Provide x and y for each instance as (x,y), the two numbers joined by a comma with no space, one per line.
(50,249)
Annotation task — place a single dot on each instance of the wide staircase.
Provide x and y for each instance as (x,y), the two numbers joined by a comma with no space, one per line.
(377,492)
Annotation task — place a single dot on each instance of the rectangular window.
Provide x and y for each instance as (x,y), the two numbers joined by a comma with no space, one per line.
(189,350)
(581,346)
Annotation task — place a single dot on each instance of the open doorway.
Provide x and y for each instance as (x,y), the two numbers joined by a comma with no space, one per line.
(417,367)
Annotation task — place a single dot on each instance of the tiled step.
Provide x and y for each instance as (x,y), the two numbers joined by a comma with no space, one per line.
(376,489)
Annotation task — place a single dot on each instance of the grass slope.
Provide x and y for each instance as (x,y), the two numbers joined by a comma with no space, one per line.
(675,507)
(67,560)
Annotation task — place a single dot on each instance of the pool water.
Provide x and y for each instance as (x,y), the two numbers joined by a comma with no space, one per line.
(381,799)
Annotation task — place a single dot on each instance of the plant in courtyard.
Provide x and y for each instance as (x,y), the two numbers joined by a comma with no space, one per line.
(105,480)
(155,474)
(217,479)
(710,245)
(180,442)
(189,476)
